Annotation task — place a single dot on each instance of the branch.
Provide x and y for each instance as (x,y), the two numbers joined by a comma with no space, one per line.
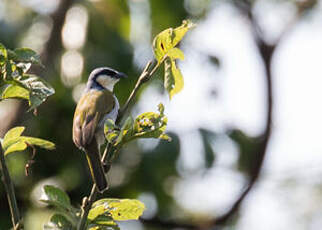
(138,84)
(144,77)
(110,151)
(54,44)
(86,206)
(8,185)
(266,51)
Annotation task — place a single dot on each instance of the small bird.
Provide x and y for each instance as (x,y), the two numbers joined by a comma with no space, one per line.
(97,104)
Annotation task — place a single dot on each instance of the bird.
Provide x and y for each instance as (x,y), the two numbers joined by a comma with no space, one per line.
(97,104)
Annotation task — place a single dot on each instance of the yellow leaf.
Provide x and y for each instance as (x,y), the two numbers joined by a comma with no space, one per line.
(14,142)
(14,132)
(175,53)
(118,209)
(16,147)
(178,79)
(169,38)
(181,31)
(126,209)
(11,136)
(173,80)
(14,91)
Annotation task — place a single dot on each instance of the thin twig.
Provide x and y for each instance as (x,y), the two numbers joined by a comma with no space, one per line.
(86,205)
(8,185)
(110,150)
(144,77)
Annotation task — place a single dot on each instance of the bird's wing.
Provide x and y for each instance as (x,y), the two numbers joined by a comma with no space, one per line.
(90,109)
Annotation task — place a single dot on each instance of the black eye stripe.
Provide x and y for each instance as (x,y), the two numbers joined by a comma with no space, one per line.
(105,72)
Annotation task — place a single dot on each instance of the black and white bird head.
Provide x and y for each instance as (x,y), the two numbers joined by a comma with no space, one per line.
(104,78)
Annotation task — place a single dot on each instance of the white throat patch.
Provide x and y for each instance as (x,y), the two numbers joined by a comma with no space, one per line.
(107,82)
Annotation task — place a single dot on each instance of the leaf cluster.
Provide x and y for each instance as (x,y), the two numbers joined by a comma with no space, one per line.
(164,47)
(14,142)
(14,80)
(103,214)
(146,125)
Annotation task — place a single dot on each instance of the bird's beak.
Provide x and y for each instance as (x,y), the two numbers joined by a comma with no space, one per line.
(121,75)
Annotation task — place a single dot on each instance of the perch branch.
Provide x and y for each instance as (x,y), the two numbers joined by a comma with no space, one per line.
(109,150)
(144,77)
(8,185)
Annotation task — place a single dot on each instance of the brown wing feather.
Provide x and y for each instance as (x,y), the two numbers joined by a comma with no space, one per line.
(77,132)
(89,111)
(89,127)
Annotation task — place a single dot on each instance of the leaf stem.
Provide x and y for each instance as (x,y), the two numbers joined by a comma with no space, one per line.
(86,206)
(144,77)
(8,185)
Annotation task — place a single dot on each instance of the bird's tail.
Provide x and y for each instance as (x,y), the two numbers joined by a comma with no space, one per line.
(96,168)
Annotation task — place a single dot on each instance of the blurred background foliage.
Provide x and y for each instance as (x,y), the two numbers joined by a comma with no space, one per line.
(73,38)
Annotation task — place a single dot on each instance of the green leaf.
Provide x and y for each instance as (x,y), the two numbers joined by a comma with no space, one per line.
(8,70)
(26,55)
(181,31)
(34,101)
(15,91)
(12,55)
(164,48)
(38,88)
(16,147)
(14,73)
(23,67)
(104,227)
(101,219)
(3,54)
(162,43)
(151,125)
(126,130)
(104,219)
(169,38)
(96,211)
(58,222)
(56,197)
(21,143)
(13,133)
(146,125)
(110,131)
(118,209)
(39,142)
(161,109)
(14,142)
(169,82)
